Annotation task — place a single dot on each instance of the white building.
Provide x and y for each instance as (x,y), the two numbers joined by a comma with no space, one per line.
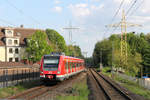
(13,43)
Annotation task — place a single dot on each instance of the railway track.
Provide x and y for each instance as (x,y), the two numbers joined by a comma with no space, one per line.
(29,94)
(109,90)
(38,92)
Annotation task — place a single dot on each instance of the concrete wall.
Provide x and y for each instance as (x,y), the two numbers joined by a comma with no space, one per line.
(2,53)
(22,54)
(13,55)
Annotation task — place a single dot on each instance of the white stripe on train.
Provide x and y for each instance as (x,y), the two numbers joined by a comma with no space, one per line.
(62,77)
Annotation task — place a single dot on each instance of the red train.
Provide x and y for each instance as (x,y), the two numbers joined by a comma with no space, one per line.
(59,67)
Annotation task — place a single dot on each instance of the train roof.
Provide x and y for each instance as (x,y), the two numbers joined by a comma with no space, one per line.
(64,56)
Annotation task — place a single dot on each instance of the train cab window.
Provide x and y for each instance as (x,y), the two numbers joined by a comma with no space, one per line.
(51,63)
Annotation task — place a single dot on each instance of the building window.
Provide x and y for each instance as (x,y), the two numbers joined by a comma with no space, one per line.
(16,50)
(9,41)
(10,50)
(9,32)
(10,59)
(16,59)
(15,41)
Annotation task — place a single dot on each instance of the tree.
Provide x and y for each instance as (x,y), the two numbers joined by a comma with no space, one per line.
(135,44)
(146,60)
(74,51)
(37,46)
(101,51)
(57,41)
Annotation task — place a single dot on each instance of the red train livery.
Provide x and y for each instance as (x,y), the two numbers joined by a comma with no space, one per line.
(59,67)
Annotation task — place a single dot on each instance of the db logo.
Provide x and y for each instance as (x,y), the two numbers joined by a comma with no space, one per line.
(50,72)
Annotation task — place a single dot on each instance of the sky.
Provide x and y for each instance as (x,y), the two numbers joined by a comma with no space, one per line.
(90,16)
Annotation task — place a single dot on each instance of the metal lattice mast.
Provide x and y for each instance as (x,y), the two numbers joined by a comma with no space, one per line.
(70,29)
(124,53)
(123,44)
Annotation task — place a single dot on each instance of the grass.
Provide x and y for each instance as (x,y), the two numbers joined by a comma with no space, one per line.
(106,71)
(9,91)
(132,86)
(79,91)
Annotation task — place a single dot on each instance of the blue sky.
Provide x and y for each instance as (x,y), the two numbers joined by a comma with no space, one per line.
(90,15)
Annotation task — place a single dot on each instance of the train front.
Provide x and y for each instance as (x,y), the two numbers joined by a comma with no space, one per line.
(49,67)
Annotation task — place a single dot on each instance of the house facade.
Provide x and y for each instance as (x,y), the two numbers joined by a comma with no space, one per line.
(13,42)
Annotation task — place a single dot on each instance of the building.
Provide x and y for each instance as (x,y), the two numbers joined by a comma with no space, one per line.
(13,42)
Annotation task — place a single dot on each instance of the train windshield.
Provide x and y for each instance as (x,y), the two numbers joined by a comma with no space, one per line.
(51,63)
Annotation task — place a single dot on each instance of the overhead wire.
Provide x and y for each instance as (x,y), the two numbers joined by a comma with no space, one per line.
(107,29)
(7,22)
(22,12)
(135,1)
(140,4)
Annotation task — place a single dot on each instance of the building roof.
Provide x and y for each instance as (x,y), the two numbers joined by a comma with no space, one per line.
(24,33)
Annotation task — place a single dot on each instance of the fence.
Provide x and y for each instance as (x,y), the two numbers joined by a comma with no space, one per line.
(13,76)
(141,81)
(144,82)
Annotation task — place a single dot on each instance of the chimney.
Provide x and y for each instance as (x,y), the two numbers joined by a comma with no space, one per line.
(21,26)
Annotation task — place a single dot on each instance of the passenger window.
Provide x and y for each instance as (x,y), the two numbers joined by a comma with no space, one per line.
(65,64)
(70,65)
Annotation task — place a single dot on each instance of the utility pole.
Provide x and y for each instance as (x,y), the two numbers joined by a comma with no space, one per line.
(70,28)
(85,55)
(101,60)
(112,64)
(123,44)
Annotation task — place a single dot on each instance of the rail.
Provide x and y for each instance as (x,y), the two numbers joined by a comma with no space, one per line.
(111,91)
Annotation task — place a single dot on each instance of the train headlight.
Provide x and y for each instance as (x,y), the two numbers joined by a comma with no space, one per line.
(58,72)
(41,72)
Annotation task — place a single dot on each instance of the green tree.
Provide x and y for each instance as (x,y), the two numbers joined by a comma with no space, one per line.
(37,46)
(112,54)
(74,51)
(146,60)
(57,41)
(101,51)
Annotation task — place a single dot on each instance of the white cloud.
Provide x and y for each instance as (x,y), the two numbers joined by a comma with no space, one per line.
(95,0)
(139,19)
(93,7)
(79,10)
(57,1)
(145,6)
(125,1)
(57,9)
(84,10)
